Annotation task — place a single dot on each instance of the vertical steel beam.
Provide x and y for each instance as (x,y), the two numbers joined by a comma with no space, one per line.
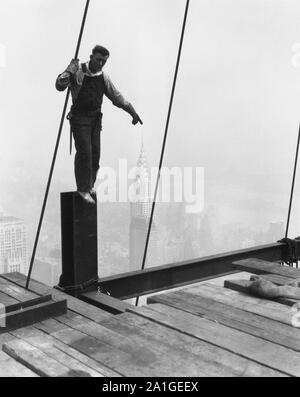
(79,241)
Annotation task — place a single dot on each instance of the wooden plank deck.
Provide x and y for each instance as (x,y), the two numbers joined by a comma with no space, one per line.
(20,307)
(259,266)
(202,330)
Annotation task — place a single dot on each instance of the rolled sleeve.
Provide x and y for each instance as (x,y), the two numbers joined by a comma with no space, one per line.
(116,97)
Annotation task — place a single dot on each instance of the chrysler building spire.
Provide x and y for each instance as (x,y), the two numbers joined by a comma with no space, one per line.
(142,206)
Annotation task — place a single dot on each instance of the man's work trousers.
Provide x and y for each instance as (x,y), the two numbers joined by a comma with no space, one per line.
(87,134)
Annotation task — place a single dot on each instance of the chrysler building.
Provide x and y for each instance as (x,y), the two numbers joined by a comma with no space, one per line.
(140,211)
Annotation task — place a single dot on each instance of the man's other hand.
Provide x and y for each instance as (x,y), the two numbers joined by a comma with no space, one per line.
(136,119)
(73,67)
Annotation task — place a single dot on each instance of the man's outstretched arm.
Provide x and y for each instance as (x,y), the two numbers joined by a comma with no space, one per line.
(118,100)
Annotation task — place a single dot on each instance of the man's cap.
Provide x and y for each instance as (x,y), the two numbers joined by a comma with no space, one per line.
(99,48)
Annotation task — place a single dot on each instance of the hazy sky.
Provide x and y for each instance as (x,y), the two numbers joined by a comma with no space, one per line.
(236,109)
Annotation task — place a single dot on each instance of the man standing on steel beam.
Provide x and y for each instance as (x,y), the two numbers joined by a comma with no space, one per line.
(88,84)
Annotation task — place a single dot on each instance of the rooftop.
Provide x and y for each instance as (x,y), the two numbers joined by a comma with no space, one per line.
(200,330)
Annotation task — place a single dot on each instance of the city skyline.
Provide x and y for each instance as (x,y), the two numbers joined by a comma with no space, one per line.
(13,246)
(175,236)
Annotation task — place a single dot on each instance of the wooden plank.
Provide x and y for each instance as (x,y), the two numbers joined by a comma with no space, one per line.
(232,317)
(32,314)
(27,304)
(34,286)
(47,344)
(107,355)
(15,291)
(127,355)
(36,360)
(4,338)
(105,302)
(259,266)
(82,358)
(277,279)
(53,329)
(269,309)
(216,361)
(160,356)
(74,304)
(227,360)
(11,368)
(13,304)
(7,300)
(243,286)
(248,346)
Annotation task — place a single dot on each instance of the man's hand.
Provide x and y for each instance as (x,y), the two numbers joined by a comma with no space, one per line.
(136,119)
(73,67)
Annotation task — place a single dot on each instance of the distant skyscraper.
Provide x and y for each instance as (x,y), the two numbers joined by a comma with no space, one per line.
(47,271)
(140,212)
(12,245)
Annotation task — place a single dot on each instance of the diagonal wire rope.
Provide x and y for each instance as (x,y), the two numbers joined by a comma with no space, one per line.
(293,185)
(55,151)
(165,135)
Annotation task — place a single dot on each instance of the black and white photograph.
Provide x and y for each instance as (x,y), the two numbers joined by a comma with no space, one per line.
(149,191)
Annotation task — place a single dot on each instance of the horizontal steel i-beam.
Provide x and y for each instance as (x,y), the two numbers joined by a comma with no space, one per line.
(138,283)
